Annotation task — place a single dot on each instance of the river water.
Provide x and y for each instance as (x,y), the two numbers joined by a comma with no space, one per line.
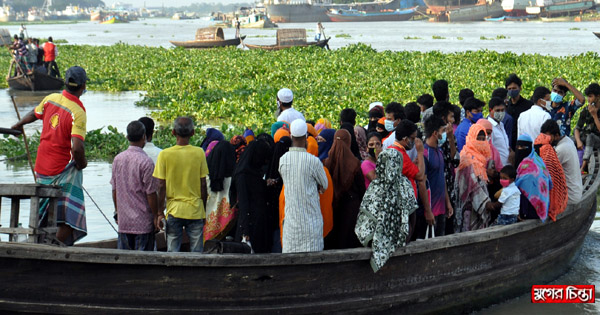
(558,39)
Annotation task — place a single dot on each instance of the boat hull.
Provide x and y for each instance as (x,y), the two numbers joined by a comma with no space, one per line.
(321,44)
(453,274)
(475,13)
(438,6)
(404,16)
(304,12)
(35,82)
(199,44)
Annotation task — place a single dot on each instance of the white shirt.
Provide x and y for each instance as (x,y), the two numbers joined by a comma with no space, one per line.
(531,121)
(500,140)
(510,198)
(567,155)
(152,151)
(289,115)
(389,141)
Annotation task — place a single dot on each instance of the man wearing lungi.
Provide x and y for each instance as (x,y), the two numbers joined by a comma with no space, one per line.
(61,154)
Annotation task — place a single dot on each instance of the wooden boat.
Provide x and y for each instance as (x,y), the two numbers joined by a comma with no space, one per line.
(209,37)
(290,37)
(365,16)
(450,274)
(597,34)
(498,19)
(35,81)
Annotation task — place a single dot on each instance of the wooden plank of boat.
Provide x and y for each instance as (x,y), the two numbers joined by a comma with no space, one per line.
(455,273)
(597,34)
(321,43)
(208,43)
(36,81)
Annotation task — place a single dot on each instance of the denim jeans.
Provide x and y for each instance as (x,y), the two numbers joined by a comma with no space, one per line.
(193,228)
(504,219)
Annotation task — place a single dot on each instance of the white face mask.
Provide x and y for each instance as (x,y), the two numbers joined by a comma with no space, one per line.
(548,105)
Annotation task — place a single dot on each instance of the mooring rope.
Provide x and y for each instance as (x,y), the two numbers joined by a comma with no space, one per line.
(104,215)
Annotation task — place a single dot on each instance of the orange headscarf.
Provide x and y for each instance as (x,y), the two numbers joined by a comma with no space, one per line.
(475,152)
(322,124)
(312,146)
(311,130)
(559,192)
(280,133)
(325,200)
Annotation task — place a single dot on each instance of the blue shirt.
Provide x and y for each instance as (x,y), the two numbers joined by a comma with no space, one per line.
(508,122)
(434,168)
(563,114)
(461,133)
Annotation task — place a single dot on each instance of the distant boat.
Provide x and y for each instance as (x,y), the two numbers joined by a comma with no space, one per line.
(210,37)
(549,8)
(35,81)
(475,13)
(597,34)
(363,16)
(498,19)
(112,19)
(256,20)
(7,14)
(439,6)
(288,38)
(515,7)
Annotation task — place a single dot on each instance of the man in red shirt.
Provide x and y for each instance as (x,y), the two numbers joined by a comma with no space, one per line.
(50,53)
(406,138)
(61,154)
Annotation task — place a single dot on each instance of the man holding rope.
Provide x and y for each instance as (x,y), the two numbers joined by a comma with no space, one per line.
(61,153)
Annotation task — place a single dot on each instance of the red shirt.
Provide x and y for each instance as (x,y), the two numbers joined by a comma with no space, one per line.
(49,51)
(409,169)
(63,117)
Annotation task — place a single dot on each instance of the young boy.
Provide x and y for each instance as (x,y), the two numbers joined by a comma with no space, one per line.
(509,198)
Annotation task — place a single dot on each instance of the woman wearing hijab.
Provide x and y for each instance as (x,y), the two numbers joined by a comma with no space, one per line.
(253,218)
(212,134)
(353,144)
(325,146)
(322,124)
(384,210)
(494,165)
(239,145)
(533,180)
(348,190)
(368,165)
(219,215)
(558,193)
(275,187)
(474,202)
(361,140)
(276,126)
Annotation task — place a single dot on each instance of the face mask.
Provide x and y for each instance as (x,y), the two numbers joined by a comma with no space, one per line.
(389,125)
(499,116)
(504,182)
(372,152)
(443,140)
(555,97)
(476,117)
(548,105)
(409,145)
(513,93)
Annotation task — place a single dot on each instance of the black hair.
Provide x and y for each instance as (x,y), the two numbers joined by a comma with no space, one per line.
(348,115)
(312,122)
(440,90)
(433,124)
(405,129)
(135,131)
(286,105)
(149,124)
(463,95)
(50,38)
(375,114)
(413,112)
(500,92)
(183,126)
(513,78)
(472,103)
(396,109)
(592,89)
(495,101)
(441,109)
(425,100)
(16,36)
(550,126)
(457,113)
(374,134)
(539,92)
(509,171)
(563,88)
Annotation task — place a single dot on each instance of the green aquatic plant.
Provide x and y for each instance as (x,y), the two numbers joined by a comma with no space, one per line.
(437,37)
(412,37)
(343,35)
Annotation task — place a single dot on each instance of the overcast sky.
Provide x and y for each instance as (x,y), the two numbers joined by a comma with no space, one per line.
(170,3)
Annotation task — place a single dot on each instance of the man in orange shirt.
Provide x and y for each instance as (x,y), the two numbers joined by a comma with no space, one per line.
(61,153)
(50,53)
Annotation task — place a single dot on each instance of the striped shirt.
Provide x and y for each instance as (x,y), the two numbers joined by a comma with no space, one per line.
(302,173)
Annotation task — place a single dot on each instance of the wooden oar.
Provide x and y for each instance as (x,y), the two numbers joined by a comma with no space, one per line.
(24,139)
(9,131)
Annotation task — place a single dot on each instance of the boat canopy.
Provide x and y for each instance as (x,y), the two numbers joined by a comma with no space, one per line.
(210,33)
(291,37)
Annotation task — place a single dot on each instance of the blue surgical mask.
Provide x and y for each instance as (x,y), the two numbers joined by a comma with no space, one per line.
(513,93)
(555,97)
(443,140)
(476,117)
(389,125)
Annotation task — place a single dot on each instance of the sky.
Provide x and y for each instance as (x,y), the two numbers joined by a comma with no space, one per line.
(169,3)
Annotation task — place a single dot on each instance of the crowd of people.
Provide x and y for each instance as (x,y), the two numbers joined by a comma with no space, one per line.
(424,169)
(30,56)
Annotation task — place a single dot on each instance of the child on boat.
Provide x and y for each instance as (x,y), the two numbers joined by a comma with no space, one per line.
(509,198)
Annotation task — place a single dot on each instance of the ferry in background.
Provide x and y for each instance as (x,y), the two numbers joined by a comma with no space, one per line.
(553,8)
(515,7)
(6,13)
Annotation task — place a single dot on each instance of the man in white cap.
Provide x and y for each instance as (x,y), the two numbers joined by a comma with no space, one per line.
(286,113)
(304,178)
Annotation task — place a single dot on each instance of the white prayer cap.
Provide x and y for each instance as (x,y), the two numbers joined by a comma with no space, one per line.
(298,128)
(285,95)
(375,104)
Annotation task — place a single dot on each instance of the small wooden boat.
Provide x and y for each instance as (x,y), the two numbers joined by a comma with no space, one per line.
(365,16)
(498,19)
(291,37)
(597,34)
(452,274)
(209,37)
(36,81)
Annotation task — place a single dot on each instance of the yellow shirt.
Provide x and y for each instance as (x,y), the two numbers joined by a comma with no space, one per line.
(182,167)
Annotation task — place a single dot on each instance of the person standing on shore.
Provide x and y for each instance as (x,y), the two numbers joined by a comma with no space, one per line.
(134,193)
(285,112)
(61,153)
(304,178)
(181,171)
